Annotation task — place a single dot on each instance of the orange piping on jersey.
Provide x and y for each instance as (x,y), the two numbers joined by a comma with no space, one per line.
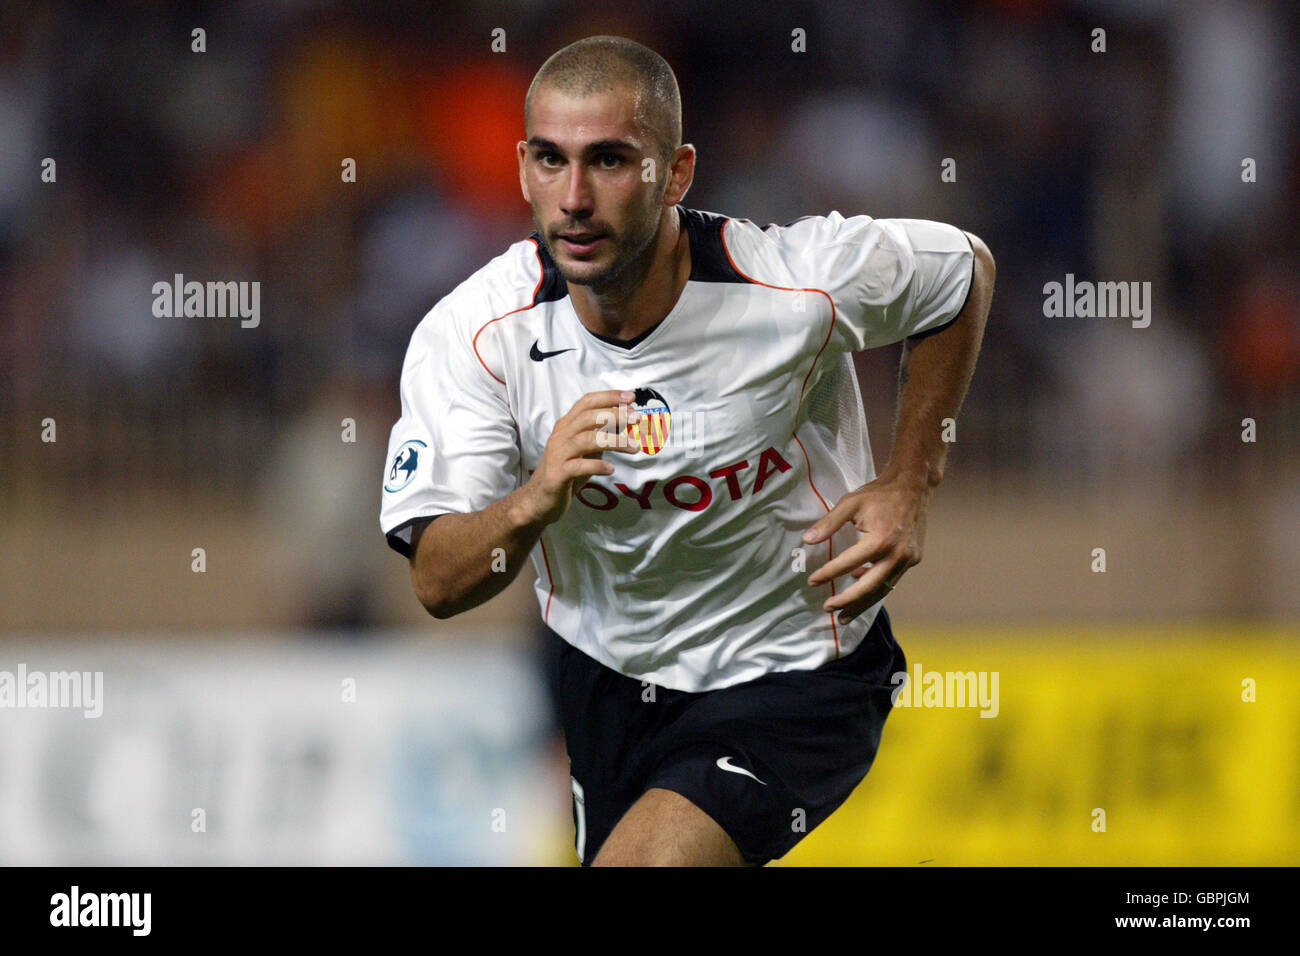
(546,618)
(830,545)
(830,542)
(537,250)
(783,288)
(522,308)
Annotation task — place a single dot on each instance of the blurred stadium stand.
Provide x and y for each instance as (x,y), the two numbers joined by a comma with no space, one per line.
(226,164)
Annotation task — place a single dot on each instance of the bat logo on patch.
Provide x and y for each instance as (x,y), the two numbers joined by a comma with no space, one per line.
(650,432)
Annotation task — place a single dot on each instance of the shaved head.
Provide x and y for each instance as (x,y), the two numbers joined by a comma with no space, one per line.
(604,63)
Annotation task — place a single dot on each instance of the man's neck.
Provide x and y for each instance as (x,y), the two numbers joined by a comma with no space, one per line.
(653,286)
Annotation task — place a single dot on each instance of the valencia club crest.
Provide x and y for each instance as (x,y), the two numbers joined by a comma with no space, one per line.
(650,431)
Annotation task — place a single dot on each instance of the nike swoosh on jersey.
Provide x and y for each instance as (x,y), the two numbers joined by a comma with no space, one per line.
(538,355)
(724,763)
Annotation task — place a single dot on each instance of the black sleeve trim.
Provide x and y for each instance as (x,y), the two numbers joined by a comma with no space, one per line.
(969,286)
(709,259)
(552,286)
(395,540)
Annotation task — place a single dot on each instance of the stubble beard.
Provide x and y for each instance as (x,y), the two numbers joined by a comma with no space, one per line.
(631,262)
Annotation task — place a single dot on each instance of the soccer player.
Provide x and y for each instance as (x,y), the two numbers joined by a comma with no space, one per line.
(658,404)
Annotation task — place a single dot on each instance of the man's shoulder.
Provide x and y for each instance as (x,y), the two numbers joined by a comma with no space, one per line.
(774,254)
(817,229)
(517,279)
(513,280)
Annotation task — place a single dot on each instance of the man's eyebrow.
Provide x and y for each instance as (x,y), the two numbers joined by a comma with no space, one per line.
(601,146)
(605,145)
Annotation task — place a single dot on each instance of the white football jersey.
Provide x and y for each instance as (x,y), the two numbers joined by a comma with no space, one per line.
(686,566)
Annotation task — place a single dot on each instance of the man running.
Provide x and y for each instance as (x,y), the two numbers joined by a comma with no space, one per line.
(658,404)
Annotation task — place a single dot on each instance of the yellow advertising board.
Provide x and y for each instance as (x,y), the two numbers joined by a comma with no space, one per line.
(1108,745)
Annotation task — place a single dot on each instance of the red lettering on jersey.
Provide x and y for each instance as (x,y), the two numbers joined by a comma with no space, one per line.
(611,500)
(706,493)
(643,498)
(733,483)
(770,461)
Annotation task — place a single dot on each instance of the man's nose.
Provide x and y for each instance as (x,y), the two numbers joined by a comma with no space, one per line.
(577,200)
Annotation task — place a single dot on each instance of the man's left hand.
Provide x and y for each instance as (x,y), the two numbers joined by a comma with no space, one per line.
(890,513)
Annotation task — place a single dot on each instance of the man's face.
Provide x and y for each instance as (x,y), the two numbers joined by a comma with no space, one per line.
(581,171)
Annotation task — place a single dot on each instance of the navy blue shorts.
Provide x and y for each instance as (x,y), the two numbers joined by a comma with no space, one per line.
(769,760)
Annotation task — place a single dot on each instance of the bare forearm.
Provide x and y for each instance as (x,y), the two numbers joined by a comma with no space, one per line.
(935,373)
(463,560)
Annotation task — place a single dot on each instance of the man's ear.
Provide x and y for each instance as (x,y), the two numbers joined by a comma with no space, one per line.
(521,151)
(681,174)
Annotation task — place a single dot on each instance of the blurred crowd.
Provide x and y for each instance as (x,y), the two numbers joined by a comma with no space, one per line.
(1127,163)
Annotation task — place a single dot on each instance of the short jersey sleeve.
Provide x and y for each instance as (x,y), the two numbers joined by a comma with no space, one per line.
(888,278)
(455,448)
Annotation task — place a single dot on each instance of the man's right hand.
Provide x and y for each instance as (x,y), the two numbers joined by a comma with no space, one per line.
(596,423)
